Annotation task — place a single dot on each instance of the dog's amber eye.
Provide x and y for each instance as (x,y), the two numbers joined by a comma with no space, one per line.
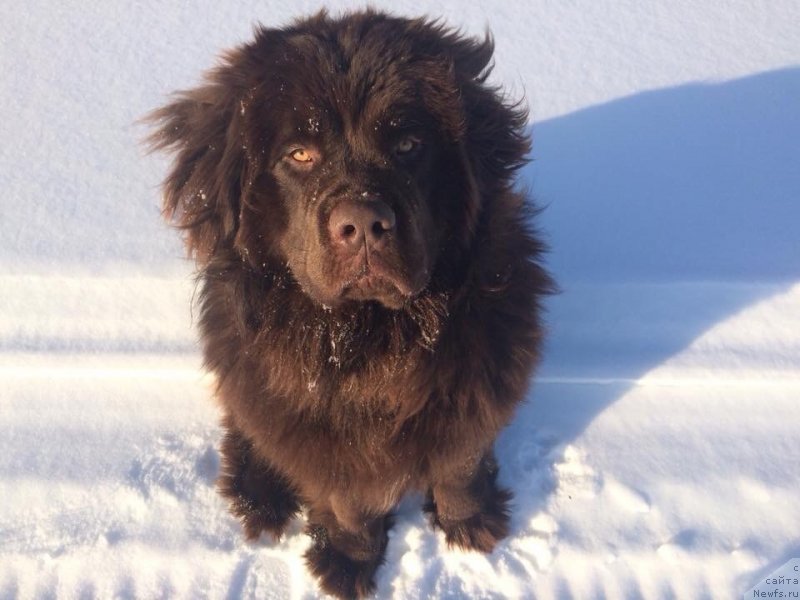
(301,155)
(406,145)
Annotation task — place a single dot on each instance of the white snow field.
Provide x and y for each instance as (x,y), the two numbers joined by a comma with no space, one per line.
(658,454)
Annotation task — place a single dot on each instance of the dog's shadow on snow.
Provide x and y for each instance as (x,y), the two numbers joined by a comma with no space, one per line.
(691,184)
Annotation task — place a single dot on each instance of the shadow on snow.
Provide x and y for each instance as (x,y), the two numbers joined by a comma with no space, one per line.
(676,201)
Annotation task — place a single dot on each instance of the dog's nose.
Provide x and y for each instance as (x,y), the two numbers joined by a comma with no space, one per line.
(354,223)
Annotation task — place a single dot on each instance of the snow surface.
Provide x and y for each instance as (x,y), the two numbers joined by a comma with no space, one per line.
(657,456)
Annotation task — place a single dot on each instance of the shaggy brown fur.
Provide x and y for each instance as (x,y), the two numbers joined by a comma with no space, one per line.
(370,285)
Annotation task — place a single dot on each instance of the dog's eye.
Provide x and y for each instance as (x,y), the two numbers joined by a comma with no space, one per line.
(407,145)
(301,155)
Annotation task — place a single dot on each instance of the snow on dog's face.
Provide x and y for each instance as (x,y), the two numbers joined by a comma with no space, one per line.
(345,151)
(349,155)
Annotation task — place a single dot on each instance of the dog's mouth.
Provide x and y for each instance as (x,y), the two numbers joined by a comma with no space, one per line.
(378,283)
(389,280)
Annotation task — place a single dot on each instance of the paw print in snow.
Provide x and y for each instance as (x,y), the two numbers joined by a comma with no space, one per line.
(175,464)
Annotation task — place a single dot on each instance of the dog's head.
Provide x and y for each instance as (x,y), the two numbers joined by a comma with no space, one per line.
(357,153)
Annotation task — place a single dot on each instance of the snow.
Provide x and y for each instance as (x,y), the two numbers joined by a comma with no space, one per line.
(657,453)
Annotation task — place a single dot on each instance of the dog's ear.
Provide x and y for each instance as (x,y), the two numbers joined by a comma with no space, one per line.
(495,135)
(489,131)
(203,129)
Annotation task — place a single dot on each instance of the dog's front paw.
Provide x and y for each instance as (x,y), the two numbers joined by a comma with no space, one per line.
(255,518)
(481,531)
(259,495)
(339,574)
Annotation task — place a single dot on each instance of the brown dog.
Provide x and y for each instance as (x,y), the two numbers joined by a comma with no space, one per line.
(370,286)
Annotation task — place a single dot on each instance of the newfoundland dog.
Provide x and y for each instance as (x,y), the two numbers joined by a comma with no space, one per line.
(370,285)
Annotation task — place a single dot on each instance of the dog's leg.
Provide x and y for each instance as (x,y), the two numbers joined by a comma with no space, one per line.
(259,496)
(347,547)
(469,506)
